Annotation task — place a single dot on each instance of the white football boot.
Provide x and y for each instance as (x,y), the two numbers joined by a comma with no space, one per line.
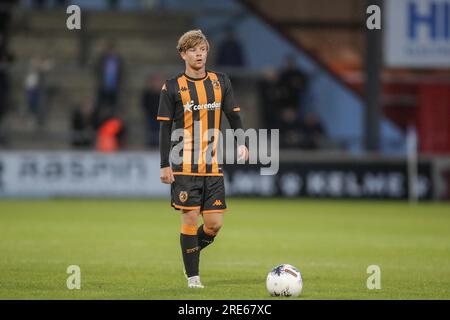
(194,282)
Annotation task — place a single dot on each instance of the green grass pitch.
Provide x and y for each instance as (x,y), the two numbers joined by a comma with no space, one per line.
(129,249)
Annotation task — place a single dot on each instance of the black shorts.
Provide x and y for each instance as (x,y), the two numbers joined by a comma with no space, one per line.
(206,193)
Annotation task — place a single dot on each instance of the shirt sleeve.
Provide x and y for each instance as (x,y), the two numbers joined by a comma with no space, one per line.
(164,142)
(166,104)
(230,107)
(165,115)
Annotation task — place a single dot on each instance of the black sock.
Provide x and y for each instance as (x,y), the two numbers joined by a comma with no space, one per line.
(191,253)
(204,239)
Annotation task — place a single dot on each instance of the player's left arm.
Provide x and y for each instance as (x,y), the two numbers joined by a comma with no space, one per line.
(165,116)
(232,112)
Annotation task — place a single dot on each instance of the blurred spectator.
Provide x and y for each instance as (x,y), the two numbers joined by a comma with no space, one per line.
(280,94)
(40,4)
(230,53)
(61,3)
(6,7)
(149,103)
(111,134)
(277,113)
(109,73)
(113,4)
(36,89)
(5,60)
(82,128)
(294,81)
(270,94)
(312,132)
(290,135)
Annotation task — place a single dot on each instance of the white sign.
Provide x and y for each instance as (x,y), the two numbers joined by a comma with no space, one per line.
(84,174)
(417,33)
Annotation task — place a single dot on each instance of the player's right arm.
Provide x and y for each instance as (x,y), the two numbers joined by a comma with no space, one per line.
(165,116)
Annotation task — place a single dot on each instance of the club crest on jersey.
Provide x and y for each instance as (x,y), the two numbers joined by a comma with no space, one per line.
(183,196)
(216,84)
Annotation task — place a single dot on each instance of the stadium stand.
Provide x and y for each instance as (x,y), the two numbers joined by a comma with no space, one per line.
(145,43)
(335,38)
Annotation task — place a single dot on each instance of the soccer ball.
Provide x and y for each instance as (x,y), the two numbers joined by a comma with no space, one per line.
(284,280)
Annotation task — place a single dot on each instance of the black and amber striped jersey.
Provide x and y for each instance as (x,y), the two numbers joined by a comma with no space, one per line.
(195,106)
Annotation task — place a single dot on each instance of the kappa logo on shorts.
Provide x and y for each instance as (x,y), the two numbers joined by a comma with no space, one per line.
(217,203)
(183,196)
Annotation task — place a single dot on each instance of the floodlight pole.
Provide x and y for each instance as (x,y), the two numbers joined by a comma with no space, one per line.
(373,65)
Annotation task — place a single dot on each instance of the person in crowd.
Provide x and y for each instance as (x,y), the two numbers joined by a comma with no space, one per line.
(81,124)
(113,4)
(313,135)
(270,93)
(37,90)
(149,104)
(109,73)
(5,61)
(41,4)
(294,82)
(61,3)
(6,58)
(111,134)
(290,135)
(6,8)
(281,94)
(230,52)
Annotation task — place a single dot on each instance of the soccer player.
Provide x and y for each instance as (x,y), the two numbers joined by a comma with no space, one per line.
(193,102)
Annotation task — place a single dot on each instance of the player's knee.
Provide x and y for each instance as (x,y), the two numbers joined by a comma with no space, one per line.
(213,227)
(190,217)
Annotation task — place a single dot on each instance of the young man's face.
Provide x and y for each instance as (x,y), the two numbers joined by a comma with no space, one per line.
(196,57)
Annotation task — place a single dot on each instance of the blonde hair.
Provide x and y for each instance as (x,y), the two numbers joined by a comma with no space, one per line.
(191,39)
